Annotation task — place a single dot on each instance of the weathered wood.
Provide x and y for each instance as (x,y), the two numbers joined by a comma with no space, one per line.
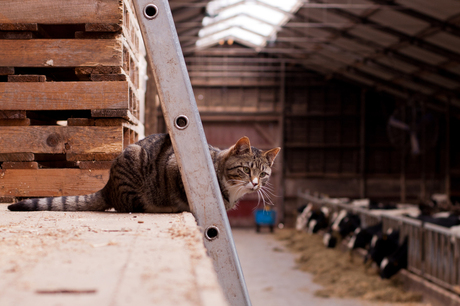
(8,25)
(6,70)
(17,157)
(61,11)
(115,113)
(51,182)
(98,70)
(17,35)
(102,27)
(93,165)
(91,156)
(15,122)
(61,52)
(95,35)
(95,122)
(20,165)
(108,77)
(27,78)
(8,200)
(61,139)
(64,95)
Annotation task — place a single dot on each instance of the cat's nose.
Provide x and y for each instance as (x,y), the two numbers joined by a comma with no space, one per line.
(255,182)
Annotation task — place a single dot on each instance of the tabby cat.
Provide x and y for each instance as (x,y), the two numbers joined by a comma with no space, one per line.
(145,177)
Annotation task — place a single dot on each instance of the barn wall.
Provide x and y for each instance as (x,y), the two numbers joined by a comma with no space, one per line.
(338,142)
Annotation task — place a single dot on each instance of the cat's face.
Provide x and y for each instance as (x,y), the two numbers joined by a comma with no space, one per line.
(248,169)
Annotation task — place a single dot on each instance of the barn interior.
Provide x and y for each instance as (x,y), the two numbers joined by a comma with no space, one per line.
(362,96)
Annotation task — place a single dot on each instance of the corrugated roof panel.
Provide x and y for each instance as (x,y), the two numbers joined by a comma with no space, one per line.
(357,11)
(423,55)
(342,57)
(353,46)
(357,78)
(325,62)
(439,80)
(445,40)
(399,21)
(324,16)
(454,67)
(441,9)
(397,64)
(415,86)
(374,35)
(377,72)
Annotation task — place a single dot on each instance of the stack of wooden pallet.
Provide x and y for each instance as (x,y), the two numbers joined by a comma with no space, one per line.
(72,75)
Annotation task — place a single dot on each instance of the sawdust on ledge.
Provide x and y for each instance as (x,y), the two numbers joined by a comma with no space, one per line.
(340,274)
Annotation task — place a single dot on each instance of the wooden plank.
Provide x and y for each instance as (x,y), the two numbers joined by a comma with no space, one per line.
(91,156)
(8,25)
(6,70)
(16,35)
(60,11)
(8,200)
(61,52)
(20,165)
(98,70)
(51,182)
(108,77)
(64,95)
(17,157)
(94,165)
(95,122)
(27,78)
(15,122)
(61,139)
(102,27)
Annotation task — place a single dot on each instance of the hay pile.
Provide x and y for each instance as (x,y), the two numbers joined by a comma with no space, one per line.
(340,274)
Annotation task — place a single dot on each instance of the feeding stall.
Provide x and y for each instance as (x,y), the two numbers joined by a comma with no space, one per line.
(72,77)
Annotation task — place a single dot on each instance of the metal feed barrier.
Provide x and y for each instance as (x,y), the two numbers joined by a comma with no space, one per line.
(433,251)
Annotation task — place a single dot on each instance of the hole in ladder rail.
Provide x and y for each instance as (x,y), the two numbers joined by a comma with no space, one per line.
(211,233)
(150,11)
(181,122)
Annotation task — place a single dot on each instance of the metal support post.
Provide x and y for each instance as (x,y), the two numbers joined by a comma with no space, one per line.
(189,142)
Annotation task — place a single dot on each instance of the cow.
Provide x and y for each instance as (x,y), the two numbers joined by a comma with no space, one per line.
(391,264)
(362,236)
(302,218)
(382,245)
(319,219)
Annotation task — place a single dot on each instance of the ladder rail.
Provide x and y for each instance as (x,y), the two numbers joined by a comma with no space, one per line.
(189,142)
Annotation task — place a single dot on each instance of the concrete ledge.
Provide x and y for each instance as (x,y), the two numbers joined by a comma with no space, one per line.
(104,258)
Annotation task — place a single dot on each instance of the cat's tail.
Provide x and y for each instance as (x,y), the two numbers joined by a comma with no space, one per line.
(90,202)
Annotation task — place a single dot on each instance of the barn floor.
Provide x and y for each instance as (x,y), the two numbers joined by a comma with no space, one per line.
(89,258)
(273,279)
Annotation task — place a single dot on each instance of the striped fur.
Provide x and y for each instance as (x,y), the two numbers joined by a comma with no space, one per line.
(145,177)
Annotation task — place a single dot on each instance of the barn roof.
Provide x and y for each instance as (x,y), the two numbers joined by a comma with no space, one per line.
(404,47)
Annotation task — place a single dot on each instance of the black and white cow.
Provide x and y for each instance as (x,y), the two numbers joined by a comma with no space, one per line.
(302,217)
(319,219)
(382,245)
(362,236)
(391,264)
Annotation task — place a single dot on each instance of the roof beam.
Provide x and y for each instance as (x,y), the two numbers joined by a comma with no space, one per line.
(402,36)
(434,22)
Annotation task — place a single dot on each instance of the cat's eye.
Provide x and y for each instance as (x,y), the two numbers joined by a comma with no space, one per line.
(246,170)
(263,174)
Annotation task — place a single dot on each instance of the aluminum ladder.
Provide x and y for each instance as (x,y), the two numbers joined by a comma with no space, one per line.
(189,142)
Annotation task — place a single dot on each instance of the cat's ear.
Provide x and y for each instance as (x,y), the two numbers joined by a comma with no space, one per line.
(242,146)
(271,155)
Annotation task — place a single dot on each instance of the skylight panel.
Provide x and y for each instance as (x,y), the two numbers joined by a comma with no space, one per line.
(250,22)
(241,21)
(238,34)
